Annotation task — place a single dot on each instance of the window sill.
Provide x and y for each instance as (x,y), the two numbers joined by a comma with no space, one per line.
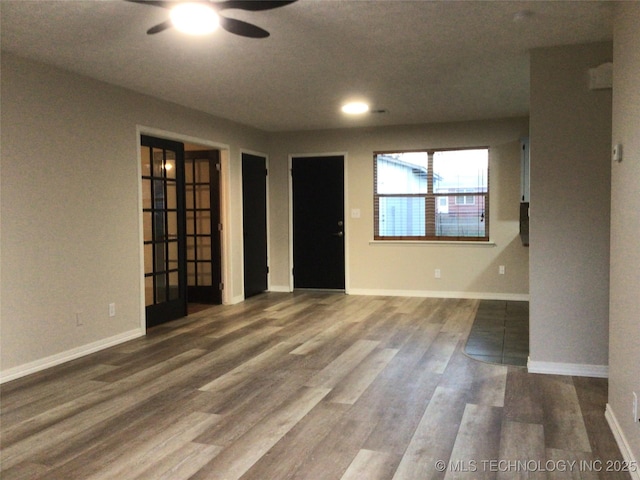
(433,242)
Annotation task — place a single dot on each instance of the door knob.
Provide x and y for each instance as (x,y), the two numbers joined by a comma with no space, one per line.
(339,234)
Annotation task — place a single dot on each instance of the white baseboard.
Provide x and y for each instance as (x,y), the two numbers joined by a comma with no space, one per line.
(573,369)
(440,294)
(523,297)
(280,288)
(234,300)
(59,358)
(622,442)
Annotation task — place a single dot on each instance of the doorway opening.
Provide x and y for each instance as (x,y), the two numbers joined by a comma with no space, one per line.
(181,218)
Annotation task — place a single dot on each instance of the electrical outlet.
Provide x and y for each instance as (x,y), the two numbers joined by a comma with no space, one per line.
(437,273)
(112,309)
(501,269)
(635,408)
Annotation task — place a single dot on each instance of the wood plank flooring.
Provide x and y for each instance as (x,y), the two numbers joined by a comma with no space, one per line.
(304,386)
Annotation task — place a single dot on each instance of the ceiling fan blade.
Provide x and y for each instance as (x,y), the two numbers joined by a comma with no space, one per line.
(241,28)
(161,27)
(251,5)
(155,3)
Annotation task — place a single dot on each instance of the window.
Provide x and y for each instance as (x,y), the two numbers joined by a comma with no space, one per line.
(432,195)
(465,200)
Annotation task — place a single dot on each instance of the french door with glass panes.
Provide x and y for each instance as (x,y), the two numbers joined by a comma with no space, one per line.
(202,190)
(164,229)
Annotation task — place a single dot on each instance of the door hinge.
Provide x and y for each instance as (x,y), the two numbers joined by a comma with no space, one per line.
(219,227)
(221,286)
(267,268)
(218,166)
(266,172)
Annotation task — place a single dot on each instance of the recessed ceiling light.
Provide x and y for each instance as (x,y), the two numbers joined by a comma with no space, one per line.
(194,18)
(522,15)
(355,108)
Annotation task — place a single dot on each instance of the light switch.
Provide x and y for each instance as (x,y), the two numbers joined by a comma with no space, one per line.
(355,213)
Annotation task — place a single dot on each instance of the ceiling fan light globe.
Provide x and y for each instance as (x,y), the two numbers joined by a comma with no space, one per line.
(194,18)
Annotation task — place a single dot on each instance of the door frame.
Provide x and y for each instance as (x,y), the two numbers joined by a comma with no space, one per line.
(346,209)
(225,211)
(266,164)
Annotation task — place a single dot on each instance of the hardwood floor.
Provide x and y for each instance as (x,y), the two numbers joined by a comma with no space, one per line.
(304,386)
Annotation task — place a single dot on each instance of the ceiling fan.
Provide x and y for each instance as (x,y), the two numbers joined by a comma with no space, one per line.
(202,16)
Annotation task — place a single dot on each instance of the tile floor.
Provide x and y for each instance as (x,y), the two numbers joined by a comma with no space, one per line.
(500,333)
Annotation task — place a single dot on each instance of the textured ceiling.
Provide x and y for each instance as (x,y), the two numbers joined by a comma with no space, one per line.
(421,61)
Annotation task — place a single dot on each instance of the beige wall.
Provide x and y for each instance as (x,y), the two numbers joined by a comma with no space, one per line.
(70,208)
(408,269)
(71,223)
(570,205)
(624,351)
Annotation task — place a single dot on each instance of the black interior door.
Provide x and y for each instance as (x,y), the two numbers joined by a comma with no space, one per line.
(254,222)
(318,222)
(164,229)
(203,245)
